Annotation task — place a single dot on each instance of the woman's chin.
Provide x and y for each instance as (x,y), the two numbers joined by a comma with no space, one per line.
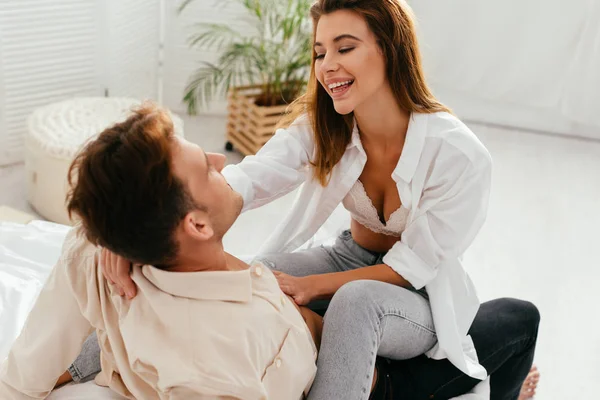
(343,107)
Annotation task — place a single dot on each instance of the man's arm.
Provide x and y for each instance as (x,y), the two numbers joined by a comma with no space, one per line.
(52,336)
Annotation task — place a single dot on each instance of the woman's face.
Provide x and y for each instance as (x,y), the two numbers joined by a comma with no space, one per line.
(349,63)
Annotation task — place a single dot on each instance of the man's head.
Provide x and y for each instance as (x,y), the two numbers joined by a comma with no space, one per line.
(146,194)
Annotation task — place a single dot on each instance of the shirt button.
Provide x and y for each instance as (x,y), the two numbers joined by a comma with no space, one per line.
(278,362)
(258,271)
(283,300)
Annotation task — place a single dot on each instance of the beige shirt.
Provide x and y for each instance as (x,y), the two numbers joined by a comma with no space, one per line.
(201,335)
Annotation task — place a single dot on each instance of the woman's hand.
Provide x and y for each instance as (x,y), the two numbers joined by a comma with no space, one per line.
(117,270)
(302,289)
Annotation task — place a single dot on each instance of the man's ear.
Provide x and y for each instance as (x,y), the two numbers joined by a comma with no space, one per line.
(196,225)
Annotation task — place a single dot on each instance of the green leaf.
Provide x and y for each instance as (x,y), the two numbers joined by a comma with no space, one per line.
(276,56)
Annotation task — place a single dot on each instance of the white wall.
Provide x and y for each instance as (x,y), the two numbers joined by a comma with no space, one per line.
(533,64)
(530,64)
(180,61)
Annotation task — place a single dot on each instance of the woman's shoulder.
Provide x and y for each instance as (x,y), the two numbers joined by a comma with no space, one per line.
(449,132)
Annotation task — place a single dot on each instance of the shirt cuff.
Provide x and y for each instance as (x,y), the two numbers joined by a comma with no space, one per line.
(240,183)
(409,265)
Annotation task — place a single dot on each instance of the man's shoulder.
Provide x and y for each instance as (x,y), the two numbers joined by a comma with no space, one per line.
(79,258)
(77,245)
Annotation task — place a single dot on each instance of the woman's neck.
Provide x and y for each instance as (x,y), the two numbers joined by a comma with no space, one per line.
(381,120)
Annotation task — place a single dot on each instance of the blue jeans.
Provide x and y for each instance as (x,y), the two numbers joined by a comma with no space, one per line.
(364,319)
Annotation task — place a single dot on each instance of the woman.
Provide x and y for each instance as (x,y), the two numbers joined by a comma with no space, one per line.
(370,135)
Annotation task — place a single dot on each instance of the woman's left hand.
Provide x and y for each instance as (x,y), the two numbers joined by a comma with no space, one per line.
(301,289)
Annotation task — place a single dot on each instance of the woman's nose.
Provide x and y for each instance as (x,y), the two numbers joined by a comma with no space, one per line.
(329,64)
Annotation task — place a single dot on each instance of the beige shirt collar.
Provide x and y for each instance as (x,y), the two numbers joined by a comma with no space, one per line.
(204,285)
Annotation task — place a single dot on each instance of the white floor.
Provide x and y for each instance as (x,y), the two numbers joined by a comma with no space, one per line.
(539,242)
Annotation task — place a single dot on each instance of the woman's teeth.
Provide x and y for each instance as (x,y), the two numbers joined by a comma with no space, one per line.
(340,86)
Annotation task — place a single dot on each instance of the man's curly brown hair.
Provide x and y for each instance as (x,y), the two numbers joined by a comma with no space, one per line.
(123,189)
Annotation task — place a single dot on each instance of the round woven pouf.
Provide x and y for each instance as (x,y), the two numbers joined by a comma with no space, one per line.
(55,134)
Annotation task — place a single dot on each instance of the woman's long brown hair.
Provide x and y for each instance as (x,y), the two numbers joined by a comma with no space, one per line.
(392,22)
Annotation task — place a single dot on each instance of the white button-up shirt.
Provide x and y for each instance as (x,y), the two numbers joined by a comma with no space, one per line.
(443,177)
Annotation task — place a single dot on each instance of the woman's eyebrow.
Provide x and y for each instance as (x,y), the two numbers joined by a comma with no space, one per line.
(338,38)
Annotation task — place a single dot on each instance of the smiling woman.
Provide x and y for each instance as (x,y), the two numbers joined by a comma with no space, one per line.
(362,49)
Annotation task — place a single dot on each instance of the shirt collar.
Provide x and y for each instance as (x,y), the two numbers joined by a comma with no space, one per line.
(355,139)
(204,285)
(413,147)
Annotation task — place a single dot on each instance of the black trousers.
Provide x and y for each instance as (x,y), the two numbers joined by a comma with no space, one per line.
(504,333)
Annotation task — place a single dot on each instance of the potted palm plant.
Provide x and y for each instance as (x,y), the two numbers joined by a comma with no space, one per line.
(261,72)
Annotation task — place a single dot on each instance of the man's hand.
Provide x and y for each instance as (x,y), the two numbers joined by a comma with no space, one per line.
(302,289)
(116,270)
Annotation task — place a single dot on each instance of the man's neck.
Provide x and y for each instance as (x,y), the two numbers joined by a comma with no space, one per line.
(207,257)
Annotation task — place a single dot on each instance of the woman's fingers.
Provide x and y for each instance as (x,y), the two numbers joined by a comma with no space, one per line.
(123,272)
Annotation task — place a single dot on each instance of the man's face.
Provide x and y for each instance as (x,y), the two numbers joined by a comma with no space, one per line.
(200,172)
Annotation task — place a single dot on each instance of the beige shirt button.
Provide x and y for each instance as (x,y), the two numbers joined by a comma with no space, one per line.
(258,271)
(278,362)
(283,299)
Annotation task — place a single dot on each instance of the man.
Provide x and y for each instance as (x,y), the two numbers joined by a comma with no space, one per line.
(203,323)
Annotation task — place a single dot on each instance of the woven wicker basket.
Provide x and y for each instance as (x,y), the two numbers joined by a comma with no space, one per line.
(250,126)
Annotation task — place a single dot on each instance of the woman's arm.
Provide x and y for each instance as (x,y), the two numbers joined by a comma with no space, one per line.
(277,169)
(326,285)
(314,287)
(450,213)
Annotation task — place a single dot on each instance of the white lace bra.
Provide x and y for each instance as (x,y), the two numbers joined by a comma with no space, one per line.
(361,207)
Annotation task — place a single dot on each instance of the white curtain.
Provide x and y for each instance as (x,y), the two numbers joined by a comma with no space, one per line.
(51,50)
(528,63)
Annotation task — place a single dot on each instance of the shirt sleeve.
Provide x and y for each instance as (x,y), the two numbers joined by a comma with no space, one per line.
(51,337)
(450,213)
(277,169)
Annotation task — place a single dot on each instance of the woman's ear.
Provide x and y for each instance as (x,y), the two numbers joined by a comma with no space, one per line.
(196,225)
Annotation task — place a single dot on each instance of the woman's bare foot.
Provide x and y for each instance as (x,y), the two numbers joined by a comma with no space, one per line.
(530,384)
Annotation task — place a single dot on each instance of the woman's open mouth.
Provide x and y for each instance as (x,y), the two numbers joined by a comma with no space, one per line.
(338,89)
